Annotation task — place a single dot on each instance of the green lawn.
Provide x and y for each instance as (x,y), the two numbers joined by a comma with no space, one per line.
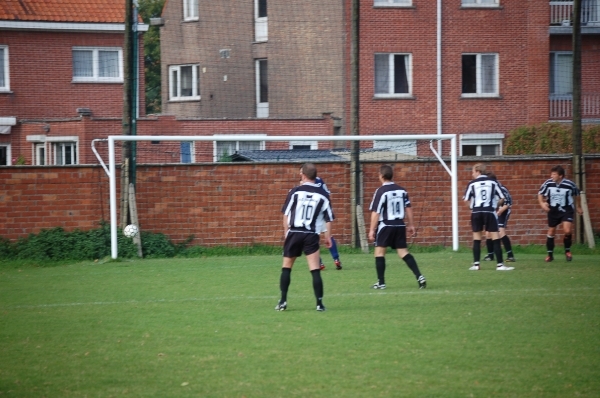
(206,327)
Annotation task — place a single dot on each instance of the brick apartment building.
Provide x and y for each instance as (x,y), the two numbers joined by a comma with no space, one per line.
(504,64)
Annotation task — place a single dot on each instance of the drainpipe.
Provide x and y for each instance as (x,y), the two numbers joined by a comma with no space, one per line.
(439,72)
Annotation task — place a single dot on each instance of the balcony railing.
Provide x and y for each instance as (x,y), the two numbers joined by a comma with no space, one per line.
(561,12)
(561,107)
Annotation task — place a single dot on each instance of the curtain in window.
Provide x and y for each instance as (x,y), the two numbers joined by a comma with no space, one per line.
(249,145)
(488,73)
(187,81)
(83,63)
(225,149)
(2,78)
(563,81)
(108,63)
(401,68)
(382,74)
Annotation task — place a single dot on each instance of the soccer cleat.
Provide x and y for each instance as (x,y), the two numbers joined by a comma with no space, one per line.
(322,266)
(474,267)
(489,257)
(320,307)
(502,267)
(549,258)
(422,282)
(281,306)
(338,264)
(569,256)
(379,286)
(510,260)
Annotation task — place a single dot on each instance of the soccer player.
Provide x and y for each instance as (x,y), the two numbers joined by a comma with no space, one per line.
(333,249)
(556,198)
(306,212)
(503,213)
(483,195)
(389,207)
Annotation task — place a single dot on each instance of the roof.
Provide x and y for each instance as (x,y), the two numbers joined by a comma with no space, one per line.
(285,156)
(98,11)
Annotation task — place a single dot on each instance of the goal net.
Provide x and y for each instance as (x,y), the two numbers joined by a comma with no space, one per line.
(228,190)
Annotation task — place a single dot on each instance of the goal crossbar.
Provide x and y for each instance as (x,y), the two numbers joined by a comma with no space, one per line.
(452,170)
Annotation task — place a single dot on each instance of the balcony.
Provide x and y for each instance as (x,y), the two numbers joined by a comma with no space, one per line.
(561,13)
(561,107)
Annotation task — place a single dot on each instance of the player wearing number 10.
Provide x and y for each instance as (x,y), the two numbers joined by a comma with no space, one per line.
(306,212)
(389,206)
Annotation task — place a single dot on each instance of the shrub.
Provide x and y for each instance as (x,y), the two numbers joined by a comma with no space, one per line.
(550,138)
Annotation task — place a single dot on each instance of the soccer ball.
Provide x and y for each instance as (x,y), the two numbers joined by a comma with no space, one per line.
(131,231)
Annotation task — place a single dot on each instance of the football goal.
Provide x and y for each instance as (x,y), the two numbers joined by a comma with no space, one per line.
(228,189)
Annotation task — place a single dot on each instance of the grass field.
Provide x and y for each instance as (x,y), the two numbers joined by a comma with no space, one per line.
(206,327)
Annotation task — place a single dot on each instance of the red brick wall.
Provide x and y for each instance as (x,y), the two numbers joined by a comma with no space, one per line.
(234,204)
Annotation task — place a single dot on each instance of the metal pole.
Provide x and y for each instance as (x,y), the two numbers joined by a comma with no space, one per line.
(112,183)
(576,126)
(355,199)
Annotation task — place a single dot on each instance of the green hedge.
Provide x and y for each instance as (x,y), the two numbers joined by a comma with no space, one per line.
(550,138)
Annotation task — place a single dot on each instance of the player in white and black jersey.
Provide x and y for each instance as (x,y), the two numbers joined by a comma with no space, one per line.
(484,195)
(390,206)
(333,249)
(306,213)
(503,212)
(559,198)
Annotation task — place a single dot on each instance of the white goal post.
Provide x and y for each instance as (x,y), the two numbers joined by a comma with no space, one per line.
(112,167)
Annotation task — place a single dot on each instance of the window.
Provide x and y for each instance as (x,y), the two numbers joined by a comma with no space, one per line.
(40,154)
(393,75)
(480,75)
(65,153)
(4,78)
(190,10)
(480,3)
(304,145)
(561,74)
(486,144)
(261,27)
(184,83)
(97,64)
(262,88)
(222,150)
(5,155)
(380,3)
(187,152)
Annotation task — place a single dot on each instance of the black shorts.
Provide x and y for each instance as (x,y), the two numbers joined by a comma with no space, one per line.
(503,219)
(298,242)
(555,218)
(394,237)
(484,221)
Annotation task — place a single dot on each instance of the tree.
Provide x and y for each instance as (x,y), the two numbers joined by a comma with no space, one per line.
(152,9)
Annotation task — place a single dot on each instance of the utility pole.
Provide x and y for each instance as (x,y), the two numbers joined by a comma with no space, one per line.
(355,198)
(576,112)
(126,124)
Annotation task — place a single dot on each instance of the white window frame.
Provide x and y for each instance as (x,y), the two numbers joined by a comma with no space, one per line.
(479,77)
(392,77)
(392,3)
(8,154)
(51,151)
(192,152)
(554,72)
(191,10)
(261,24)
(262,108)
(314,145)
(237,144)
(480,3)
(6,70)
(96,78)
(37,158)
(195,83)
(482,139)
